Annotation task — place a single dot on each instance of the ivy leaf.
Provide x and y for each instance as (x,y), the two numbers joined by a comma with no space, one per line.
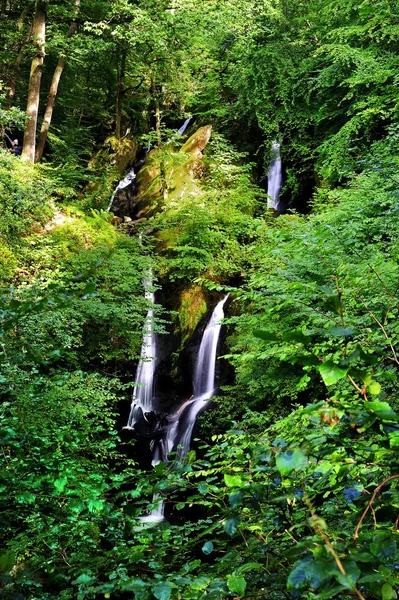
(162,590)
(236,584)
(207,548)
(289,460)
(331,373)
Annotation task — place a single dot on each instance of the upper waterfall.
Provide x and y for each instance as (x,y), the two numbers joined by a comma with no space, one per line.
(274,178)
(123,183)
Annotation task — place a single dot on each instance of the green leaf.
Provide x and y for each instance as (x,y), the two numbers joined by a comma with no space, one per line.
(133,585)
(6,562)
(297,578)
(203,488)
(236,584)
(268,336)
(374,388)
(381,409)
(387,592)
(331,592)
(394,439)
(331,373)
(352,574)
(84,579)
(230,525)
(207,548)
(340,331)
(384,546)
(89,290)
(297,336)
(289,460)
(162,590)
(233,480)
(60,484)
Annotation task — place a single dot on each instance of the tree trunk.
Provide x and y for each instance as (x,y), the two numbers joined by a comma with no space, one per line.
(48,114)
(39,37)
(164,185)
(120,93)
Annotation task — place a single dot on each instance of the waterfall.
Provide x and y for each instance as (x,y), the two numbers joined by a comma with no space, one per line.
(144,382)
(204,383)
(177,435)
(124,183)
(183,128)
(274,178)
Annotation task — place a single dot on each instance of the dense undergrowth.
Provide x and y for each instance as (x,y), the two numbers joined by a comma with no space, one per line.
(270,500)
(291,489)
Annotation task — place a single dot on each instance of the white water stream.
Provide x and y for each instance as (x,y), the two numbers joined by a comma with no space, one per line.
(143,391)
(177,437)
(274,178)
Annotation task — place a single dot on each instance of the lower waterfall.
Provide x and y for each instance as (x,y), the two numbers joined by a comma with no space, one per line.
(143,391)
(176,437)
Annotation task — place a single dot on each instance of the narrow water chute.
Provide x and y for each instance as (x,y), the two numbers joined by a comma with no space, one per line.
(143,391)
(123,183)
(274,178)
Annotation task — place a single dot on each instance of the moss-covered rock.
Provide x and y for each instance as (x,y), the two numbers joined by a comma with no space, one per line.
(108,166)
(192,308)
(169,177)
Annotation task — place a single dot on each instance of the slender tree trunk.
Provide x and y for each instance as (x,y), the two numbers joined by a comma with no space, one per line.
(32,109)
(48,114)
(120,93)
(164,185)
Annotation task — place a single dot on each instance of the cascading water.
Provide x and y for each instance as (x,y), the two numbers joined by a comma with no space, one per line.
(204,384)
(183,128)
(177,436)
(274,178)
(144,383)
(124,183)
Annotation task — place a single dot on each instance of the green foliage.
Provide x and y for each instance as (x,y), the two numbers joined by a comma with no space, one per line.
(206,235)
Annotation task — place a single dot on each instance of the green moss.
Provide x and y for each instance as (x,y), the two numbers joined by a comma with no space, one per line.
(191,310)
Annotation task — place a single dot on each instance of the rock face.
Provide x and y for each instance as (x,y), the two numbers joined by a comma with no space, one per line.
(109,164)
(169,176)
(197,143)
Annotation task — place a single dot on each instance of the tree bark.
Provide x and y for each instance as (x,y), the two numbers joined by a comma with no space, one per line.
(39,38)
(48,114)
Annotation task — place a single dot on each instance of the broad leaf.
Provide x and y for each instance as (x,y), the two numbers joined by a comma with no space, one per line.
(289,460)
(331,373)
(236,584)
